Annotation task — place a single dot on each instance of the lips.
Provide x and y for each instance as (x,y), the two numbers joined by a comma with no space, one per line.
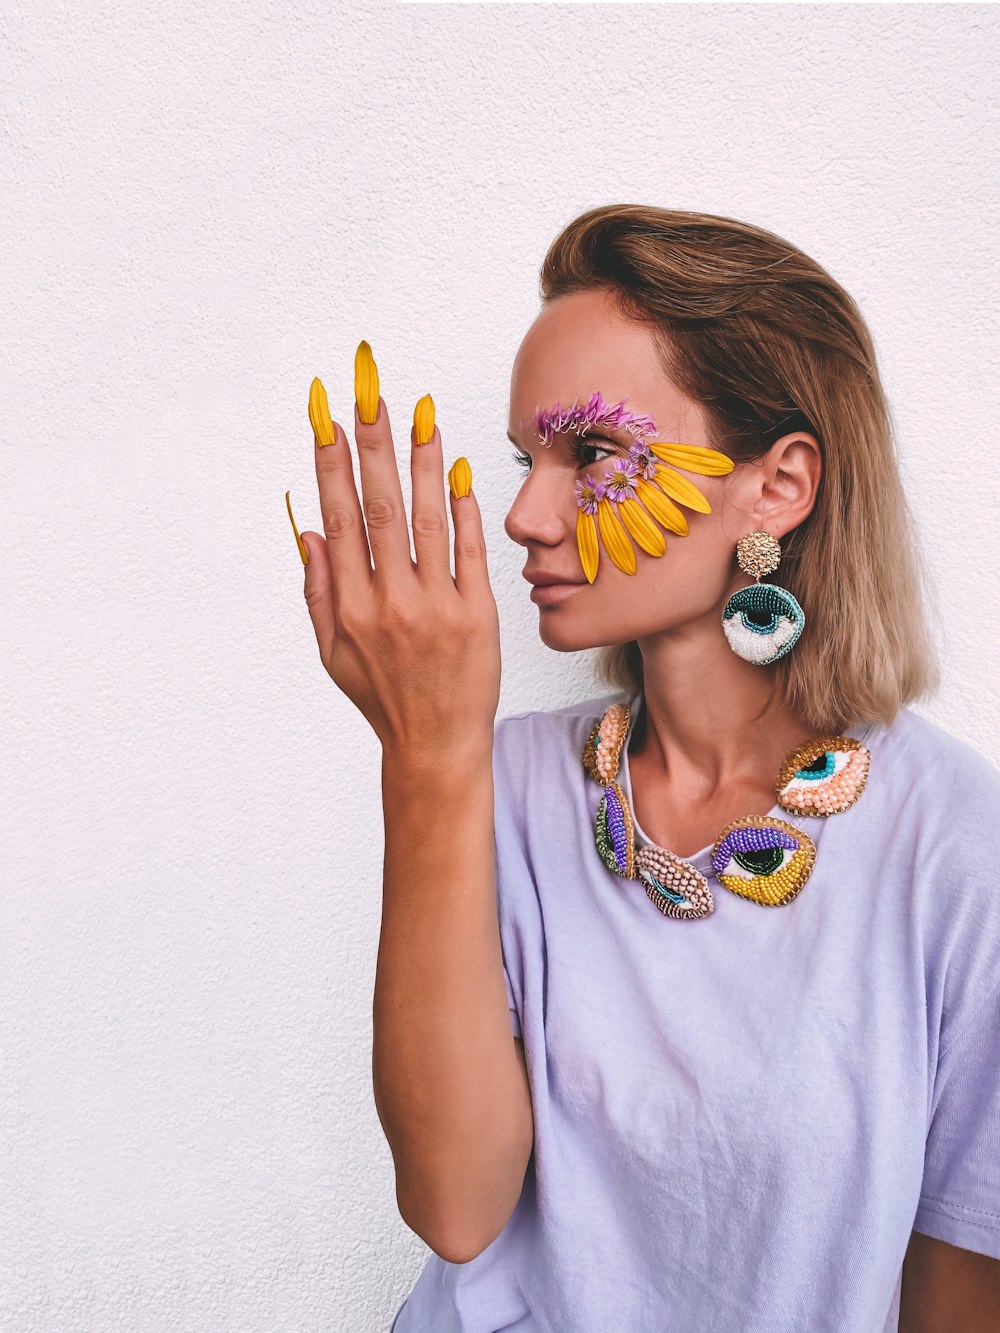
(541,580)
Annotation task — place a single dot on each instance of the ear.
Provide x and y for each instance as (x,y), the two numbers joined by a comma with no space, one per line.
(787,482)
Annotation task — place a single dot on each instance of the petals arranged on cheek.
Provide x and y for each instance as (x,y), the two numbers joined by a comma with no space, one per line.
(662,509)
(682,490)
(692,457)
(641,526)
(614,537)
(586,540)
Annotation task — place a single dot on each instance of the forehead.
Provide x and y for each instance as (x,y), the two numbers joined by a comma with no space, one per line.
(581,362)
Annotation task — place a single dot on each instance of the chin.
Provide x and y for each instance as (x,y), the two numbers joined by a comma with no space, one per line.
(564,637)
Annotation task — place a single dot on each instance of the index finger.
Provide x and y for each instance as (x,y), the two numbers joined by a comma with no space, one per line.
(346,542)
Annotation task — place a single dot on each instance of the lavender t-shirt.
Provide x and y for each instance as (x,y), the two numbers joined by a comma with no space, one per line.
(740,1119)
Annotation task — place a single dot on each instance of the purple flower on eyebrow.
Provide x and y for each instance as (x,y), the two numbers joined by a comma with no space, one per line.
(620,480)
(598,414)
(587,497)
(645,461)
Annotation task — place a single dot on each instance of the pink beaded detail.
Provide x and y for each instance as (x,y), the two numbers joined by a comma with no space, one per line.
(673,885)
(602,753)
(823,776)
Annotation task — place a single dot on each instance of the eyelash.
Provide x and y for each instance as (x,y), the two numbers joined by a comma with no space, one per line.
(578,447)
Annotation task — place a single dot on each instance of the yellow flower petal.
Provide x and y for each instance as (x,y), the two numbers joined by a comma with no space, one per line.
(641,526)
(586,540)
(366,385)
(319,414)
(680,489)
(614,537)
(693,457)
(663,510)
(460,478)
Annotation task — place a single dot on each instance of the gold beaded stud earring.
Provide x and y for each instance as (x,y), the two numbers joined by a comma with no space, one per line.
(761,621)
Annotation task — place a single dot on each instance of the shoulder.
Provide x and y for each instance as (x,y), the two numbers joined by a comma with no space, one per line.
(538,743)
(935,822)
(922,765)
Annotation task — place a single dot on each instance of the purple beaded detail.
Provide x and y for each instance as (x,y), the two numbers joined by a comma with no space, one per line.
(616,827)
(751,840)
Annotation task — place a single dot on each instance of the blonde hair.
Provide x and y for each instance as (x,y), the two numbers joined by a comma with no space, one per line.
(767,343)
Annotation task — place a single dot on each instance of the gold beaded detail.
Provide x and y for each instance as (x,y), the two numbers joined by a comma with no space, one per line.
(758,553)
(764,859)
(823,776)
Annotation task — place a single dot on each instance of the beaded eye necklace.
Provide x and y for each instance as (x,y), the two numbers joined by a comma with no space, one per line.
(758,857)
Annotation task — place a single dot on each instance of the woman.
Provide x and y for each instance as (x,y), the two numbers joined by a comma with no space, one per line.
(742,907)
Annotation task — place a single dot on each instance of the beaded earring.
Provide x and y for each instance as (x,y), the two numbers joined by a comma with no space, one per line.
(761,621)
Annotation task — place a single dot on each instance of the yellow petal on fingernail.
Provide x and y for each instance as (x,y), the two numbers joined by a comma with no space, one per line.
(298,540)
(614,537)
(586,540)
(423,419)
(365,383)
(663,510)
(680,489)
(641,526)
(692,457)
(460,478)
(319,414)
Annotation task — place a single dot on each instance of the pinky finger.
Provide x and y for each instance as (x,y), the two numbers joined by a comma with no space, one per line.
(318,583)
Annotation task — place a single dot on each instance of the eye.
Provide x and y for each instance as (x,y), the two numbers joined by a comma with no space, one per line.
(763,859)
(521,459)
(762,621)
(582,451)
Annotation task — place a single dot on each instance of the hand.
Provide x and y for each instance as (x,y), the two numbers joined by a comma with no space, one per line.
(414,648)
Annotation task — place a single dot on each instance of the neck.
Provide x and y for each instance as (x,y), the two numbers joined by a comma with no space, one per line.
(708,715)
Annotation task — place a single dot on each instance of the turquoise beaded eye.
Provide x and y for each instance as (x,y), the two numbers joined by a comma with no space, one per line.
(762,621)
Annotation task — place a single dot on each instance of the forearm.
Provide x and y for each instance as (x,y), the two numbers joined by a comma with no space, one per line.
(450,1089)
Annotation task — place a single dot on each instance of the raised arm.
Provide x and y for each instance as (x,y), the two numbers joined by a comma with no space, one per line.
(417,650)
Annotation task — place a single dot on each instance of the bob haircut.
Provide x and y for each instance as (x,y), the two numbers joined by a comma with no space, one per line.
(767,342)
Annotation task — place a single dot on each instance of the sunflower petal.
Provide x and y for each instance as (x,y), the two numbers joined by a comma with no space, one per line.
(680,489)
(663,510)
(693,457)
(641,526)
(615,538)
(586,540)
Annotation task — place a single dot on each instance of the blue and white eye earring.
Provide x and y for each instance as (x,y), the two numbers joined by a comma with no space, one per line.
(761,621)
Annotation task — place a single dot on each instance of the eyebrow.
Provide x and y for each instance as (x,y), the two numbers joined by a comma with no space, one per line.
(596,416)
(621,436)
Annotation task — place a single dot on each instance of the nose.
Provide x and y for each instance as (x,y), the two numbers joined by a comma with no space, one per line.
(541,512)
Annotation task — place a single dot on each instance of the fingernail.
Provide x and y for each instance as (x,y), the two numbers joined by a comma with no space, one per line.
(460,478)
(319,414)
(365,383)
(298,540)
(423,419)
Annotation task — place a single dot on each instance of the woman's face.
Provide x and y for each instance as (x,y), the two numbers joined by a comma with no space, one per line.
(579,346)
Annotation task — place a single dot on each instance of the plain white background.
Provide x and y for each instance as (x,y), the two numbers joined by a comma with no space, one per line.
(204,206)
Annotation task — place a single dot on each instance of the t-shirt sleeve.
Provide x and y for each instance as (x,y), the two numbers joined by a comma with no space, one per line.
(515,1021)
(517,909)
(960,1194)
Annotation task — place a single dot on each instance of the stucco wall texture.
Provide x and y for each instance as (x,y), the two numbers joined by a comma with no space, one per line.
(204,206)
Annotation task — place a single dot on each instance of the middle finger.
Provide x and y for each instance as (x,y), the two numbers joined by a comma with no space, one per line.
(382,501)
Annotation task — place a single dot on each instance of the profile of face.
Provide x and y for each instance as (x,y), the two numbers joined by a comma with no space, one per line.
(589,400)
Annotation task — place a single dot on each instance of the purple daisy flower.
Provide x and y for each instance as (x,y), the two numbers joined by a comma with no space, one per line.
(644,460)
(620,481)
(587,497)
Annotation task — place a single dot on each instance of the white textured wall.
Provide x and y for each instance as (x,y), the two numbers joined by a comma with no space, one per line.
(203,206)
